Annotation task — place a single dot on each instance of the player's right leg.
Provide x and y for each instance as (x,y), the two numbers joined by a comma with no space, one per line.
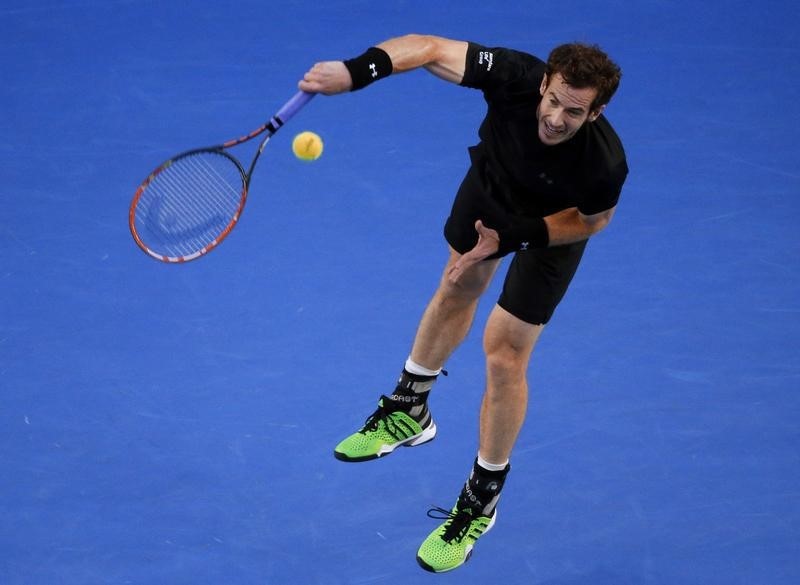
(403,419)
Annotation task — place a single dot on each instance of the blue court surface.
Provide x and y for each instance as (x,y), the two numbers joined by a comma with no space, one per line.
(175,424)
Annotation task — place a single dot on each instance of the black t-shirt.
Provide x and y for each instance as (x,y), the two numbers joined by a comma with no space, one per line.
(587,171)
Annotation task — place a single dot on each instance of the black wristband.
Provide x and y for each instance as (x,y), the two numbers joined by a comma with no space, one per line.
(521,235)
(369,67)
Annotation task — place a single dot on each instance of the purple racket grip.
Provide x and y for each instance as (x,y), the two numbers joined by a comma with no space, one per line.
(293,106)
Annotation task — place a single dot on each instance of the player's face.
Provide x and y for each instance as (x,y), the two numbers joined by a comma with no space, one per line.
(564,109)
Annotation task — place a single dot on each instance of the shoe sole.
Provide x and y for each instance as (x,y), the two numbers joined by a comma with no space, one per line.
(426,436)
(467,556)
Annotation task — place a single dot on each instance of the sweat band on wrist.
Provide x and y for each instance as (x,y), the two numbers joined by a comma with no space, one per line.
(530,233)
(369,67)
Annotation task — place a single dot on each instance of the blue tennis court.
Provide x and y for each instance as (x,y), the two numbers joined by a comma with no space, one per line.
(175,424)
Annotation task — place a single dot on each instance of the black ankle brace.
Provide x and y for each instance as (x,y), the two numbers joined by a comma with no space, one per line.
(482,489)
(412,389)
(411,394)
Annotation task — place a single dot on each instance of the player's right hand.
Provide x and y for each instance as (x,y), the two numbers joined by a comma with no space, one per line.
(327,77)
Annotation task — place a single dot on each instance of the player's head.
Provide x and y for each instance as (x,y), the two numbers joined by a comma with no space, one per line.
(585,66)
(579,81)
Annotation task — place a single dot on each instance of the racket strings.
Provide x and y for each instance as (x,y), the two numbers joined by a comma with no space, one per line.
(189,204)
(196,199)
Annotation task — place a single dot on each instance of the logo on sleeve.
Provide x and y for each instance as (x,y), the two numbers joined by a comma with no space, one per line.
(486,57)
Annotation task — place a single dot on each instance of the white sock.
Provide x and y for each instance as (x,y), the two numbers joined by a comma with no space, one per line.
(413,367)
(491,466)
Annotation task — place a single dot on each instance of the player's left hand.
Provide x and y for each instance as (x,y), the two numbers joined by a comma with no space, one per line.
(488,244)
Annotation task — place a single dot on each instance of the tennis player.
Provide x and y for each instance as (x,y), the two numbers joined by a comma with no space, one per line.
(545,177)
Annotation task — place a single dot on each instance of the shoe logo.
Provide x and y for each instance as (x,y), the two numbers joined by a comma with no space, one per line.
(524,245)
(471,496)
(402,398)
(374,69)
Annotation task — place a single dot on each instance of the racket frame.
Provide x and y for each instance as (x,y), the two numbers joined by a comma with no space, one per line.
(274,124)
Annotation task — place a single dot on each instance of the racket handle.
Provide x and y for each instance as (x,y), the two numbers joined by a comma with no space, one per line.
(293,106)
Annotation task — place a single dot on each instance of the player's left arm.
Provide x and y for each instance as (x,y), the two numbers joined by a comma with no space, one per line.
(563,227)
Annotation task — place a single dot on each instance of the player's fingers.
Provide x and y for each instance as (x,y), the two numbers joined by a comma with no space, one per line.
(455,270)
(325,78)
(485,231)
(453,275)
(461,266)
(310,86)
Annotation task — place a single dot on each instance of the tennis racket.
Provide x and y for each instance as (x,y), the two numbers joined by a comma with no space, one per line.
(190,203)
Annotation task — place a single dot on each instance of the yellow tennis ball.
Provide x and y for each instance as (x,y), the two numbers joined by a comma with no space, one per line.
(307,146)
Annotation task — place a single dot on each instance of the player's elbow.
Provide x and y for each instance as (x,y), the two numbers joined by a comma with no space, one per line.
(428,47)
(597,222)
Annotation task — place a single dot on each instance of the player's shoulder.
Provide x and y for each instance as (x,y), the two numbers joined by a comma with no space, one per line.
(605,140)
(499,64)
(487,54)
(605,158)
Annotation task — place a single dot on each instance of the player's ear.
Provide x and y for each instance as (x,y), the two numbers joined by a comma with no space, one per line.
(596,113)
(543,87)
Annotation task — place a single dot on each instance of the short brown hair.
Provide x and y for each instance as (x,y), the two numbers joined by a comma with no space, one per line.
(584,66)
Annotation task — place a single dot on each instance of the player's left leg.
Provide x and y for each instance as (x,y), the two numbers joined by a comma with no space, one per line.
(508,343)
(535,284)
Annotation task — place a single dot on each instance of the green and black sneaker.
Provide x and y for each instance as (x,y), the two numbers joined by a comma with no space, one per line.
(385,430)
(450,546)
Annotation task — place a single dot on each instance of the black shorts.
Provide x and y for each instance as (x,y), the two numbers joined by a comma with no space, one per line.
(537,279)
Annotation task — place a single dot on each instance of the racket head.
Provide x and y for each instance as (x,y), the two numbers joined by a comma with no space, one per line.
(188,205)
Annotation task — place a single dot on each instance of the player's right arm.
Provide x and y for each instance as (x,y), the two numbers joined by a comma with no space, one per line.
(444,58)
